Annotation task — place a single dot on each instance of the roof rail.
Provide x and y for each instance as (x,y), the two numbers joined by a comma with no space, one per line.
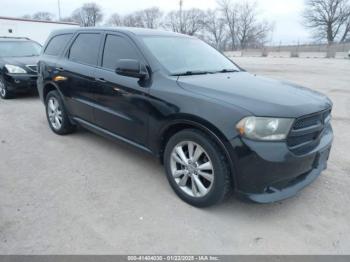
(15,37)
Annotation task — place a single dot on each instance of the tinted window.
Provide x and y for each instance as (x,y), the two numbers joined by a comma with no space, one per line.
(85,49)
(57,44)
(117,48)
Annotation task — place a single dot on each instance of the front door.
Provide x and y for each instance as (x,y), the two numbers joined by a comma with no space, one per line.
(121,103)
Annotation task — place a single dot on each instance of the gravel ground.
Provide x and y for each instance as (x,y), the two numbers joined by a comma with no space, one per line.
(82,194)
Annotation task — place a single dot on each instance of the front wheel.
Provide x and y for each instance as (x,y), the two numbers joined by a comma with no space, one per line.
(197,169)
(4,92)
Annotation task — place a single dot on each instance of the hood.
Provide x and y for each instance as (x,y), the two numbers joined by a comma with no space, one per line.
(258,95)
(20,61)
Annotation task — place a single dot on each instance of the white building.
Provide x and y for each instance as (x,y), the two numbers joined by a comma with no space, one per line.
(33,29)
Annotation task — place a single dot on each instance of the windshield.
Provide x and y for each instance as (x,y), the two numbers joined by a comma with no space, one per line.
(181,55)
(18,49)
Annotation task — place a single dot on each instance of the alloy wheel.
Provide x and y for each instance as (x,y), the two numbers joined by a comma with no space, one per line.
(192,169)
(55,113)
(2,88)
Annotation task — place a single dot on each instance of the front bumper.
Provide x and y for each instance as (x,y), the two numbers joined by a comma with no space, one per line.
(268,171)
(20,82)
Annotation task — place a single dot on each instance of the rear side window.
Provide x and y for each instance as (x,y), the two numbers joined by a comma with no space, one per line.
(85,49)
(57,44)
(116,48)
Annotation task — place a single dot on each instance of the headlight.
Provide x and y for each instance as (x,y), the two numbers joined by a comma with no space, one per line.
(12,69)
(262,128)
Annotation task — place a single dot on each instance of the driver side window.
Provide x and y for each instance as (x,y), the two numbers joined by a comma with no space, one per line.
(116,48)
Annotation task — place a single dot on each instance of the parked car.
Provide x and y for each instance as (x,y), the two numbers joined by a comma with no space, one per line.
(215,127)
(18,65)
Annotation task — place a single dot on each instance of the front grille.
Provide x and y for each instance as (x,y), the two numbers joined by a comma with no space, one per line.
(303,123)
(33,68)
(306,132)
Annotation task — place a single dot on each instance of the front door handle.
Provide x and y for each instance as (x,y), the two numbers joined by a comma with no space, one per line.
(102,80)
(60,69)
(120,91)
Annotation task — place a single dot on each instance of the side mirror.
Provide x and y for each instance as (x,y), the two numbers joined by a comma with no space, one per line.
(131,68)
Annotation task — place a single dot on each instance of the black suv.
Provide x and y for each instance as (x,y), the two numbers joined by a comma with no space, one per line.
(216,128)
(18,65)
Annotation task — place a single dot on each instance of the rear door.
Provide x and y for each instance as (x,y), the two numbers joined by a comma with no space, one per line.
(79,69)
(48,61)
(121,103)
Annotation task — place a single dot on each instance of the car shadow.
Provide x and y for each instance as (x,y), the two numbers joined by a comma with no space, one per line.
(26,95)
(119,147)
(232,206)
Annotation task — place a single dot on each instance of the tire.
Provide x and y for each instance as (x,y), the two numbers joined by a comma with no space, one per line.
(57,115)
(216,181)
(4,92)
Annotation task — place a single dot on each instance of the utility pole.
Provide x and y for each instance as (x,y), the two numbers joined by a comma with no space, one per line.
(59,10)
(181,20)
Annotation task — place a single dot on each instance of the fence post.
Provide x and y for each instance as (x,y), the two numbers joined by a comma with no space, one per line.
(298,49)
(330,51)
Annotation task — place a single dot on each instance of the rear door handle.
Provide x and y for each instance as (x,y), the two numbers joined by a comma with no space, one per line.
(102,80)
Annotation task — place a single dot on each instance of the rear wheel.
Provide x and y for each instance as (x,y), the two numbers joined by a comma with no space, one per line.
(57,115)
(4,92)
(197,169)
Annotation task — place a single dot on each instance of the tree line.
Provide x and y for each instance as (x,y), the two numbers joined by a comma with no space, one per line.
(232,25)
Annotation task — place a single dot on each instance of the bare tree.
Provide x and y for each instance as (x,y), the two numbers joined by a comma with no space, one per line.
(245,27)
(115,20)
(193,20)
(250,31)
(172,21)
(147,18)
(133,20)
(151,17)
(42,16)
(327,18)
(346,34)
(88,15)
(190,22)
(215,29)
(26,16)
(69,19)
(261,33)
(230,14)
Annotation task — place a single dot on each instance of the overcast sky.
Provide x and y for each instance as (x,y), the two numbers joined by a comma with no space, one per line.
(285,13)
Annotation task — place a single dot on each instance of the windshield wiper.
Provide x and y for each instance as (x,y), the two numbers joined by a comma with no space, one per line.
(191,73)
(227,71)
